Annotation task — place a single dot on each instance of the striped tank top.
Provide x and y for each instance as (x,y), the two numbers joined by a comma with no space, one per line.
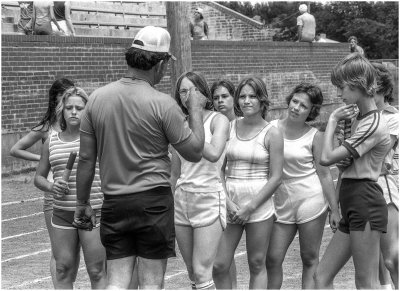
(203,176)
(247,159)
(58,156)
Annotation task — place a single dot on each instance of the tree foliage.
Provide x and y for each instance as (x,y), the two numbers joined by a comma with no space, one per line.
(375,24)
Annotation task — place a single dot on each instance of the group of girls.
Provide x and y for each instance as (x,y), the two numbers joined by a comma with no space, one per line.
(257,175)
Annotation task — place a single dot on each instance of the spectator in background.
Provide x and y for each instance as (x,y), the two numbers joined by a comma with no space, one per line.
(305,25)
(42,17)
(24,25)
(62,13)
(319,38)
(354,47)
(198,27)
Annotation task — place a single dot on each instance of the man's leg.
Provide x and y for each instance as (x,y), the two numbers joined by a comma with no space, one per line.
(119,272)
(151,273)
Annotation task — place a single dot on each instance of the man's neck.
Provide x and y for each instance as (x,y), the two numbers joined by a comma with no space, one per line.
(147,76)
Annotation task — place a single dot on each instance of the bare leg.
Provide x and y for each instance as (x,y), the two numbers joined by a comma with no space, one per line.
(390,245)
(335,257)
(184,238)
(365,248)
(47,216)
(281,238)
(119,272)
(95,257)
(205,246)
(258,235)
(233,275)
(65,248)
(226,251)
(384,274)
(151,273)
(310,236)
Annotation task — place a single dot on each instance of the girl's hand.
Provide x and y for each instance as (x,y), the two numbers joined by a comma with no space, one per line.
(334,218)
(242,216)
(195,99)
(60,188)
(345,112)
(231,208)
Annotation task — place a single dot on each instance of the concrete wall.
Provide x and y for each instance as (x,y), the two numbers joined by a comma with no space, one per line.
(31,63)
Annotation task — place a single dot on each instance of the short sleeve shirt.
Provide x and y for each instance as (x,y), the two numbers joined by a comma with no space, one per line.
(368,144)
(133,124)
(307,21)
(391,164)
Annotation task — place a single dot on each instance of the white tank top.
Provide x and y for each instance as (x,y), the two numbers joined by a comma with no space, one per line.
(298,159)
(203,176)
(247,159)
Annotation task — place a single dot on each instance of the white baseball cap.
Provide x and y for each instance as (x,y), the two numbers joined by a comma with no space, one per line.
(153,39)
(303,8)
(199,10)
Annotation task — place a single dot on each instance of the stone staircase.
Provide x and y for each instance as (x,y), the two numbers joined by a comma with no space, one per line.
(99,18)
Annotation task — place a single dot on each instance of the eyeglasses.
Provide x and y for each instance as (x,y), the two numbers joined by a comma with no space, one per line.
(183,92)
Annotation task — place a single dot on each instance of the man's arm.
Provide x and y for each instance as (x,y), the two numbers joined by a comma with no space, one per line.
(86,167)
(299,31)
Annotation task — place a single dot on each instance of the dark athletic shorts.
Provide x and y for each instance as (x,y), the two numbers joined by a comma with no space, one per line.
(139,224)
(361,201)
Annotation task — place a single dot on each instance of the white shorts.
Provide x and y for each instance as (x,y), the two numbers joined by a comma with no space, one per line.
(241,192)
(63,25)
(299,200)
(390,190)
(199,209)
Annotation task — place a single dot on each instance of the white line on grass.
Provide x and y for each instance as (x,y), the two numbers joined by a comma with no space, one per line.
(21,201)
(27,255)
(20,217)
(22,234)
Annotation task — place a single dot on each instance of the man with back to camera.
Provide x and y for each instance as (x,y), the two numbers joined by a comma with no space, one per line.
(128,124)
(305,25)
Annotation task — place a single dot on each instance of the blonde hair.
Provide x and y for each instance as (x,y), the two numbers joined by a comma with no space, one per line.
(73,91)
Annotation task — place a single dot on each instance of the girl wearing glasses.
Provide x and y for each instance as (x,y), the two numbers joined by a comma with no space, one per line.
(200,212)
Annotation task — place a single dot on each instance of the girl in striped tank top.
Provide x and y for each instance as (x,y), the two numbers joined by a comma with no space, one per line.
(67,239)
(200,203)
(253,163)
(41,132)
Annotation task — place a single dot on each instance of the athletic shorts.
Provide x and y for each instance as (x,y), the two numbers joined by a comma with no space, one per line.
(390,190)
(199,209)
(299,200)
(63,218)
(361,201)
(139,224)
(242,192)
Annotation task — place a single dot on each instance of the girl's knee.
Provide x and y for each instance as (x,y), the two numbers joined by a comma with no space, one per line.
(309,258)
(257,264)
(273,260)
(65,271)
(220,268)
(96,271)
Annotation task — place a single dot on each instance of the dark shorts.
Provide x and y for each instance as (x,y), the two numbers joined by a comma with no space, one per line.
(362,201)
(63,218)
(139,224)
